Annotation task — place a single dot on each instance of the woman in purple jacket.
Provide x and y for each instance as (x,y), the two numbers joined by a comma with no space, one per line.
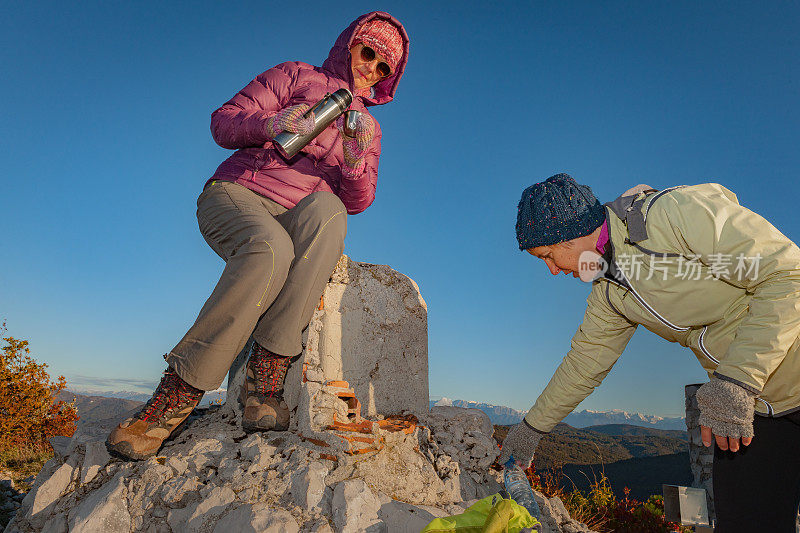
(279,225)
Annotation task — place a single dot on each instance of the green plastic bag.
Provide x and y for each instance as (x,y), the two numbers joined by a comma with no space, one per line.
(492,514)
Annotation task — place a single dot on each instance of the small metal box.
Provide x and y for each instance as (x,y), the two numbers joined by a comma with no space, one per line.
(685,505)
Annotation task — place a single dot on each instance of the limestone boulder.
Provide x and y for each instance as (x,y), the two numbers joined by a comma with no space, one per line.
(355,508)
(103,510)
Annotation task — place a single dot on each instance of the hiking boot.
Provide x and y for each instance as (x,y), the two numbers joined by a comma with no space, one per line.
(163,416)
(262,394)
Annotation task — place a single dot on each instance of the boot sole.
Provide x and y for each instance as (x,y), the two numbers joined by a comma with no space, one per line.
(124,450)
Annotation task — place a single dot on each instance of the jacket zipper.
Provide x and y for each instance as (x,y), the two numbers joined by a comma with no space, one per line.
(770,411)
(669,324)
(703,346)
(648,306)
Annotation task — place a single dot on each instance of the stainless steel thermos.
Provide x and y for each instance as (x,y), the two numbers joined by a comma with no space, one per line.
(325,112)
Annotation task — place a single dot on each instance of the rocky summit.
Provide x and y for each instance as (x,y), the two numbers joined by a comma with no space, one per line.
(363,454)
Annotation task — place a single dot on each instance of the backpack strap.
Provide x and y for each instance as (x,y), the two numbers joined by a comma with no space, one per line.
(628,208)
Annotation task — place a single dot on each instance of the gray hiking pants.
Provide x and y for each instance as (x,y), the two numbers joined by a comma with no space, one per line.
(277,264)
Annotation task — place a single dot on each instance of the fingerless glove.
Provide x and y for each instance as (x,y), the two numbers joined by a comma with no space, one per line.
(355,148)
(290,119)
(726,408)
(521,443)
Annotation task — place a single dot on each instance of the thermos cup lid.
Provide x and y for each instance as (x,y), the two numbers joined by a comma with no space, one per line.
(343,98)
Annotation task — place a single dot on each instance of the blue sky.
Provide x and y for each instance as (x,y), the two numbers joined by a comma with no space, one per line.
(106,144)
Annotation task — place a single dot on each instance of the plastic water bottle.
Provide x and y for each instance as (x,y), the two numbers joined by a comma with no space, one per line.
(519,488)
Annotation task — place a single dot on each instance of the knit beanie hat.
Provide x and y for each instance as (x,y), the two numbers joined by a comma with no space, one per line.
(556,210)
(383,37)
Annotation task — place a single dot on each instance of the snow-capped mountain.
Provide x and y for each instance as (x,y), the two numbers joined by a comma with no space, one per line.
(217,395)
(498,414)
(504,416)
(580,419)
(122,394)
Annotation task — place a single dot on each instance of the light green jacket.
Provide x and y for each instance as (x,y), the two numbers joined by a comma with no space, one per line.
(492,514)
(728,288)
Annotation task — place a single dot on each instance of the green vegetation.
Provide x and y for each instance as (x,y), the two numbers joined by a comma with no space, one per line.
(600,509)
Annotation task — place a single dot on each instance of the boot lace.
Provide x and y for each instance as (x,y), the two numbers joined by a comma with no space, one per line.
(172,391)
(269,371)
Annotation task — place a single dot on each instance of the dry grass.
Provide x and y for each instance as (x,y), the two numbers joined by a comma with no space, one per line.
(20,463)
(23,462)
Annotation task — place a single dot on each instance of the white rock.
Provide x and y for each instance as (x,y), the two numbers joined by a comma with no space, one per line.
(57,524)
(206,446)
(249,446)
(227,468)
(95,458)
(192,517)
(450,450)
(372,333)
(178,465)
(150,483)
(257,518)
(200,461)
(104,509)
(402,517)
(314,374)
(355,508)
(308,487)
(174,490)
(256,450)
(86,433)
(40,499)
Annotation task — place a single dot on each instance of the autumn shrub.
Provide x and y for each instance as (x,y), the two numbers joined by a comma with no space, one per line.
(29,416)
(599,508)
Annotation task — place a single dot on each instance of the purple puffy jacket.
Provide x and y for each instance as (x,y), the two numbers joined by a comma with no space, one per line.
(240,125)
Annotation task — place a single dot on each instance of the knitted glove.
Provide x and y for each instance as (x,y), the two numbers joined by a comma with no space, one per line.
(726,408)
(291,119)
(520,443)
(355,148)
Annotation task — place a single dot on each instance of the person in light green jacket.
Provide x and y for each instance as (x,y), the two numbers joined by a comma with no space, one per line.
(693,266)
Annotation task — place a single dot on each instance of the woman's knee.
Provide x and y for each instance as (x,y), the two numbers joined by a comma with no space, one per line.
(271,252)
(326,210)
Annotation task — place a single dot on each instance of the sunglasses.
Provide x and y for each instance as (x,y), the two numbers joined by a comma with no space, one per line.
(368,54)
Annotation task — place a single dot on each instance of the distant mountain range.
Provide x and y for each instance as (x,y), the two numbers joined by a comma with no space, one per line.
(209,397)
(586,418)
(506,416)
(122,394)
(499,415)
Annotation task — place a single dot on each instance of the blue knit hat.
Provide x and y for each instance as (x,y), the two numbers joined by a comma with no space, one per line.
(556,210)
